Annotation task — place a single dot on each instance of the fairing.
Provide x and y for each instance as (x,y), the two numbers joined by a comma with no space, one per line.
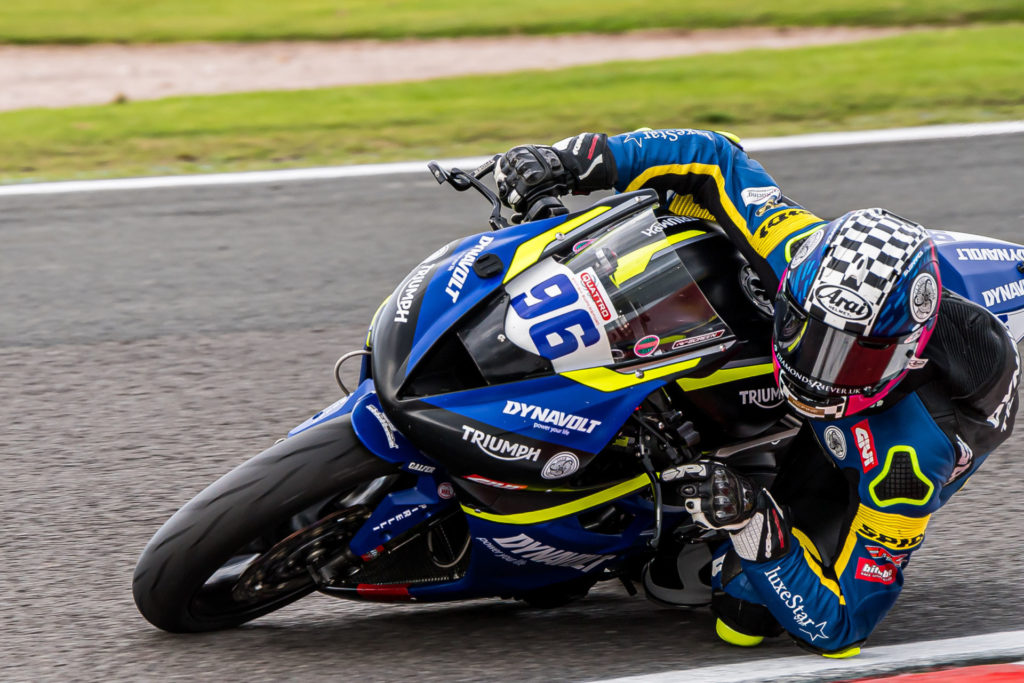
(517,378)
(987,271)
(590,514)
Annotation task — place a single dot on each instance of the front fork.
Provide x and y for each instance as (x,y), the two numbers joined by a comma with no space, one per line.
(396,517)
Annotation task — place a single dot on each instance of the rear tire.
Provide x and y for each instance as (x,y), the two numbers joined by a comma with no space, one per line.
(559,594)
(240,515)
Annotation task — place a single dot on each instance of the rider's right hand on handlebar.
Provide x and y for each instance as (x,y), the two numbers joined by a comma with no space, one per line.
(580,164)
(526,173)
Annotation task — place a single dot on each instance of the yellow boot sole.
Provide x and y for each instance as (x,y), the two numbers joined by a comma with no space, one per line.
(734,637)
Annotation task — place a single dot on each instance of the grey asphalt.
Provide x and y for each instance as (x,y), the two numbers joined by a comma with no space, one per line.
(150,340)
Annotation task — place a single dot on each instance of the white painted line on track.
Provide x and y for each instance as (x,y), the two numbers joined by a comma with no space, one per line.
(814,140)
(874,137)
(247,178)
(873,661)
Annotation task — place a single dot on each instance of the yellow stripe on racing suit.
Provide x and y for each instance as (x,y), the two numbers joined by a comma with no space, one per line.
(704,174)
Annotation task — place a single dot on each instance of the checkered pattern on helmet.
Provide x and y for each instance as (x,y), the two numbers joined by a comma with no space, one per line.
(830,411)
(869,251)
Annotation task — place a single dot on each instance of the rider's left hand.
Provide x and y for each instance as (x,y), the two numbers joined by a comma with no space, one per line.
(714,495)
(721,499)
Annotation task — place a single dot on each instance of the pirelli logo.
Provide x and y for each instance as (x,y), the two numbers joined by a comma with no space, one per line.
(778,226)
(893,531)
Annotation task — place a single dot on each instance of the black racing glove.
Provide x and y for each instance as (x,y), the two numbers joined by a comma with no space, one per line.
(714,495)
(720,499)
(580,164)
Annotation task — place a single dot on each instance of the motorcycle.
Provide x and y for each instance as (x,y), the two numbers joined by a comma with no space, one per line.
(525,397)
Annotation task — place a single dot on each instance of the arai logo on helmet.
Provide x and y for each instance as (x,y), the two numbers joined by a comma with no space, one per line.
(843,302)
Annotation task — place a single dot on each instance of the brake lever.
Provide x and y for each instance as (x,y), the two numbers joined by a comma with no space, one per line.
(462,181)
(440,175)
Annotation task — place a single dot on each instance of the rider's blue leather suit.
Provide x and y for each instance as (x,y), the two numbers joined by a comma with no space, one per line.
(902,459)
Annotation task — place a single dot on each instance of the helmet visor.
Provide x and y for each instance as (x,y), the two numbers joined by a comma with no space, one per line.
(827,361)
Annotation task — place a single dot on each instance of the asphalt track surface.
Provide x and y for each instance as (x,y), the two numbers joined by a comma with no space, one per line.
(151,340)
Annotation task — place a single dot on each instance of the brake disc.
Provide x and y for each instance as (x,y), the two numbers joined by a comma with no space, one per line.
(295,561)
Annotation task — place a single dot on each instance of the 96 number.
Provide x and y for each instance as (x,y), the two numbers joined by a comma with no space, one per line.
(551,295)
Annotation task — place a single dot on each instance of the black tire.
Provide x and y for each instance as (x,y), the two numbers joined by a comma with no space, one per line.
(559,594)
(255,500)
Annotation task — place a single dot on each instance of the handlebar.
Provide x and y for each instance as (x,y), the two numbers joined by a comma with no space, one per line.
(543,206)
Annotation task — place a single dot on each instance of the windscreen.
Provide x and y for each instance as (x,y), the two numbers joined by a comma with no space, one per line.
(623,296)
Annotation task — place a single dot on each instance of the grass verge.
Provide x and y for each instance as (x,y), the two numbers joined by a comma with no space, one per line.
(78,21)
(922,78)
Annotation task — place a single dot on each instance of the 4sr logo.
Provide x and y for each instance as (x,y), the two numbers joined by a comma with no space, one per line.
(878,553)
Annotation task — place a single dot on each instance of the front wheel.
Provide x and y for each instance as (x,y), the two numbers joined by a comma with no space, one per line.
(185,580)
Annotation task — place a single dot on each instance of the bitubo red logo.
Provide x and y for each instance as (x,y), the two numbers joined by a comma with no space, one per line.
(865,444)
(869,571)
(594,291)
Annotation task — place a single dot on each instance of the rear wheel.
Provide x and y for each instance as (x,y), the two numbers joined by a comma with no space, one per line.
(188,577)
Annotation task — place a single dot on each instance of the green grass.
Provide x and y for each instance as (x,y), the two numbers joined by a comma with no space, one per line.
(930,77)
(77,21)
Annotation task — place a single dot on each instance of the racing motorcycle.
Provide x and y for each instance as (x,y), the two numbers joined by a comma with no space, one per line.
(525,397)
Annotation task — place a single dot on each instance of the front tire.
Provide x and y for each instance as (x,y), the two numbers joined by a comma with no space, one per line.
(183,580)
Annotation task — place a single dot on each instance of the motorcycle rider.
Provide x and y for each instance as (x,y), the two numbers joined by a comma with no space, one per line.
(907,387)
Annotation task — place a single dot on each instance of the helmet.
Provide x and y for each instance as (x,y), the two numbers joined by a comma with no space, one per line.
(855,309)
